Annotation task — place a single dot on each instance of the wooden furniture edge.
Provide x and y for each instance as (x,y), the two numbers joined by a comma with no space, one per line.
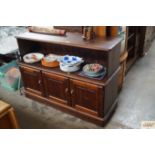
(85,116)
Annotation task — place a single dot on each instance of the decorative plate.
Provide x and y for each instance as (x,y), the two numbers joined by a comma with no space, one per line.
(33,57)
(95,75)
(93,69)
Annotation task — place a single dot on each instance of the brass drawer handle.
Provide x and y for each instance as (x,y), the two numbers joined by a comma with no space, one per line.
(72,91)
(39,82)
(66,90)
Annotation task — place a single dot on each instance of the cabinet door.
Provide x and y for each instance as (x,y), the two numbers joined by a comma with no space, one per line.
(32,80)
(86,97)
(56,88)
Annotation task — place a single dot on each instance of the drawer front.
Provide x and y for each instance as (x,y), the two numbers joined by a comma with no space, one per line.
(32,80)
(56,88)
(86,97)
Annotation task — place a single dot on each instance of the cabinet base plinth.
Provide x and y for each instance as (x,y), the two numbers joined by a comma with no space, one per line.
(101,121)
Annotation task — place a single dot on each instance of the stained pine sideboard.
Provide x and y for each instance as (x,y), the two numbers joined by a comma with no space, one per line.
(90,99)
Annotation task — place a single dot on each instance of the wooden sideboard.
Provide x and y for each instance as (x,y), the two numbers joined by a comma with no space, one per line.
(91,99)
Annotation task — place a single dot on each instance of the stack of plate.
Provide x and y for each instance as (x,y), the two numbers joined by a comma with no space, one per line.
(70,63)
(94,70)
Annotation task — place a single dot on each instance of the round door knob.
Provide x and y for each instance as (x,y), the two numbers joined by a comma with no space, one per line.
(72,91)
(39,82)
(66,90)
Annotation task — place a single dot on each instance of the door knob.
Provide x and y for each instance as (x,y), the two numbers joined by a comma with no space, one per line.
(66,90)
(72,91)
(39,82)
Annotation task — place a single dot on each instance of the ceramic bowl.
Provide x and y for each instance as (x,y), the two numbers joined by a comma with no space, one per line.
(66,68)
(71,60)
(33,57)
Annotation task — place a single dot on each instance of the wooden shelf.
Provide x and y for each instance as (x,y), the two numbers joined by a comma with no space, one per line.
(74,40)
(74,75)
(130,36)
(130,48)
(130,62)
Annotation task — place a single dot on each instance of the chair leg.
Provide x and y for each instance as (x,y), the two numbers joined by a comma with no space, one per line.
(13,118)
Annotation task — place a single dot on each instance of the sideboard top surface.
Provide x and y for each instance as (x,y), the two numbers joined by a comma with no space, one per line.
(73,39)
(75,75)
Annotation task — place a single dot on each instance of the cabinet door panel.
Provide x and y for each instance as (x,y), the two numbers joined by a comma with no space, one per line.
(86,97)
(56,88)
(32,80)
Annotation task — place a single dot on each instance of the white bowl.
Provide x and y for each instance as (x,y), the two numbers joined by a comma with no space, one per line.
(28,58)
(69,68)
(71,60)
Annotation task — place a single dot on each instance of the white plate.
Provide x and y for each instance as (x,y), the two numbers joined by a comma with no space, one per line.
(28,58)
